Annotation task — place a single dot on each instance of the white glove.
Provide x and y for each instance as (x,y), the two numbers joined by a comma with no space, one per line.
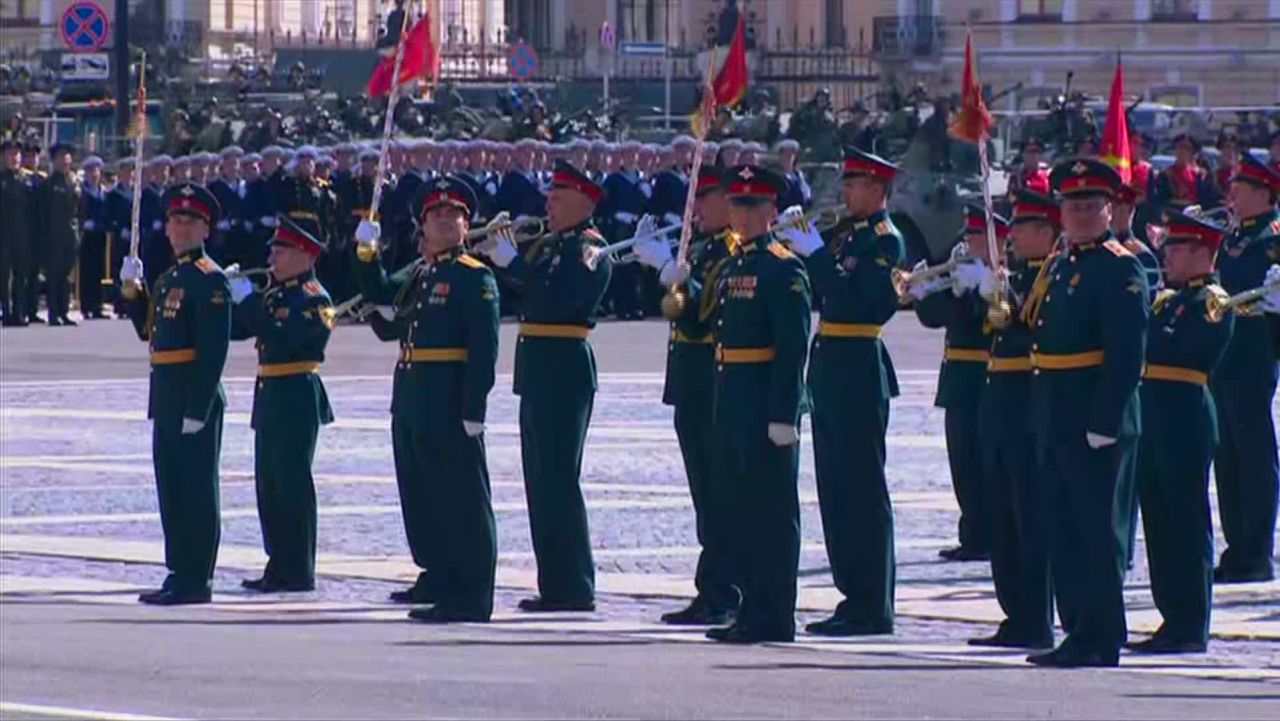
(502,250)
(472,428)
(646,228)
(624,217)
(191,426)
(926,288)
(673,219)
(653,252)
(987,286)
(90,224)
(783,434)
(131,269)
(673,274)
(368,232)
(1097,440)
(800,234)
(1271,301)
(269,221)
(224,225)
(157,224)
(241,288)
(968,276)
(960,250)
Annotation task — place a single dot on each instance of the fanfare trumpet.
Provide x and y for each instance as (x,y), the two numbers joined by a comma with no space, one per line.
(353,306)
(824,218)
(260,277)
(1219,304)
(903,279)
(591,255)
(522,230)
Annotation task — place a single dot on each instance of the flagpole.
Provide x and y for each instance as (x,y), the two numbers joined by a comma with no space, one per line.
(133,290)
(388,123)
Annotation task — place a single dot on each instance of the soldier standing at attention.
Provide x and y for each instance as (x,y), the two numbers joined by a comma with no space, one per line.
(93,239)
(1244,384)
(119,223)
(447,323)
(34,177)
(157,253)
(1088,322)
(690,379)
(798,190)
(186,319)
(15,241)
(228,188)
(58,211)
(291,322)
(555,377)
(1180,435)
(851,380)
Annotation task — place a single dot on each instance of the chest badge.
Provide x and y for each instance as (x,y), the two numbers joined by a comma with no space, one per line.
(173,302)
(439,294)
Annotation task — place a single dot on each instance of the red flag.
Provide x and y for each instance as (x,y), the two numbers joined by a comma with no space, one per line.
(730,85)
(973,122)
(1115,150)
(420,60)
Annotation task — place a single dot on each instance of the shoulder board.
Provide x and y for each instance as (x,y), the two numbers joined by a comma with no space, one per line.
(780,250)
(206,266)
(41,174)
(1133,245)
(470,261)
(884,227)
(1161,298)
(1117,249)
(313,288)
(593,235)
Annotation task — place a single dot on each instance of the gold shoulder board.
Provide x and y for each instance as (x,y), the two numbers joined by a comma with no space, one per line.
(470,261)
(780,250)
(1117,249)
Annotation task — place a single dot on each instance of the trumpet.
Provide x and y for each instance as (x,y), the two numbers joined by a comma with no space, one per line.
(824,218)
(1219,304)
(591,255)
(260,277)
(354,306)
(522,229)
(903,279)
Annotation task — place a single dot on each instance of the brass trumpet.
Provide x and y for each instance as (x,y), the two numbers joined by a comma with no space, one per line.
(591,255)
(824,218)
(260,277)
(1219,304)
(903,279)
(523,229)
(354,306)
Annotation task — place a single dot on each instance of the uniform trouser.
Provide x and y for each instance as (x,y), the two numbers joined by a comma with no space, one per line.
(1127,503)
(448,512)
(59,294)
(964,455)
(853,495)
(13,287)
(553,430)
(33,291)
(1173,487)
(1086,552)
(624,288)
(284,449)
(714,575)
(759,479)
(1247,472)
(93,260)
(187,483)
(1016,504)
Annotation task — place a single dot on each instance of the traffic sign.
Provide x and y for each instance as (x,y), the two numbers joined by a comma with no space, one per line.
(84,27)
(651,50)
(524,61)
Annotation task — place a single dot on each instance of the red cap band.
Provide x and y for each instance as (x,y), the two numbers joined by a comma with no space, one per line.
(561,179)
(288,236)
(189,206)
(858,166)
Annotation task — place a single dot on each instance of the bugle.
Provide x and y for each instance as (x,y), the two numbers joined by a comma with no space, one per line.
(1217,305)
(903,279)
(591,255)
(824,218)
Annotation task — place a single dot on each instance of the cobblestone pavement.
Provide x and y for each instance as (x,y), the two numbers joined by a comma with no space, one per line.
(78,512)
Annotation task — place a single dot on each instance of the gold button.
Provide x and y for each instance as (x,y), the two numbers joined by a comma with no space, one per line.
(1039,322)
(1048,297)
(1035,371)
(1035,346)
(720,367)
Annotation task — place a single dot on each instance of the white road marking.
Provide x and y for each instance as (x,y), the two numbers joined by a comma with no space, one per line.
(75,713)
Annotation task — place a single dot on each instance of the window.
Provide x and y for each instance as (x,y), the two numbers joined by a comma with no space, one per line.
(1174,10)
(835,24)
(1039,10)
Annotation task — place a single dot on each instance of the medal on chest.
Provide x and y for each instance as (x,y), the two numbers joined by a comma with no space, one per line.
(439,294)
(742,287)
(172,302)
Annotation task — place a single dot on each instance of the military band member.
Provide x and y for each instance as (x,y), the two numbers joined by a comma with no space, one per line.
(1087,349)
(93,238)
(851,379)
(186,319)
(58,213)
(447,313)
(690,379)
(291,322)
(555,377)
(1179,437)
(1244,385)
(963,313)
(15,241)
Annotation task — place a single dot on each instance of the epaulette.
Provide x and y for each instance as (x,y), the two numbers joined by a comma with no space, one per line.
(884,227)
(593,235)
(313,288)
(1117,249)
(206,266)
(470,261)
(1161,298)
(780,250)
(1135,246)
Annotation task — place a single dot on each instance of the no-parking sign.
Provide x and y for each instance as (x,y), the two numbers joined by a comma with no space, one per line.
(524,61)
(85,27)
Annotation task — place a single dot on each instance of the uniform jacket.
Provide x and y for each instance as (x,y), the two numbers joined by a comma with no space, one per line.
(1242,264)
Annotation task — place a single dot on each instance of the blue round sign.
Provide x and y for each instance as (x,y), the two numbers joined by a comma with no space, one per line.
(524,60)
(85,27)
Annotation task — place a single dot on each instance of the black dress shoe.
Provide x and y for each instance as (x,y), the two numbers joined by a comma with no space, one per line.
(441,614)
(1253,574)
(175,598)
(267,584)
(840,627)
(413,594)
(15,323)
(1159,644)
(699,614)
(1002,639)
(960,553)
(743,634)
(35,319)
(1066,657)
(55,322)
(64,320)
(538,604)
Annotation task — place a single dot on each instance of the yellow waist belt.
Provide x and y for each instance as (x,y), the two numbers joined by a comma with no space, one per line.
(173,357)
(433,355)
(1009,365)
(549,330)
(280,370)
(1176,374)
(744,355)
(849,330)
(1067,361)
(968,355)
(678,337)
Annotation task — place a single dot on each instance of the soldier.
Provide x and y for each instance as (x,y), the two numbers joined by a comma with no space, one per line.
(519,194)
(307,197)
(798,190)
(625,201)
(58,211)
(292,321)
(186,320)
(1184,343)
(1122,224)
(476,175)
(671,186)
(93,239)
(255,203)
(555,377)
(1015,502)
(851,380)
(1087,350)
(1033,173)
(1185,183)
(157,253)
(230,241)
(1228,163)
(759,308)
(1246,467)
(35,177)
(963,313)
(447,316)
(689,383)
(15,242)
(118,220)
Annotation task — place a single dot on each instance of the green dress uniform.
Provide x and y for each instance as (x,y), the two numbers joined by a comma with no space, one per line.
(690,378)
(447,318)
(851,379)
(1087,350)
(1246,468)
(760,308)
(186,319)
(1180,436)
(291,323)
